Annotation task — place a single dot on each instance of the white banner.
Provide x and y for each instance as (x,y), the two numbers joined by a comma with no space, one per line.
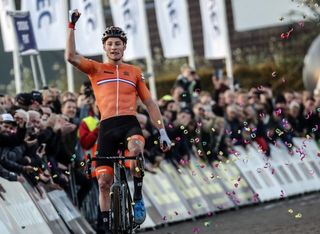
(6,25)
(89,27)
(49,20)
(173,28)
(214,28)
(128,15)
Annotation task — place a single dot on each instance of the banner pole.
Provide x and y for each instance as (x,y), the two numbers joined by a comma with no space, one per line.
(42,74)
(191,60)
(228,59)
(34,72)
(16,59)
(70,77)
(16,68)
(149,60)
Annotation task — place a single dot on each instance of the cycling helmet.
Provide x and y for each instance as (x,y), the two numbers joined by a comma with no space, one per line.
(113,31)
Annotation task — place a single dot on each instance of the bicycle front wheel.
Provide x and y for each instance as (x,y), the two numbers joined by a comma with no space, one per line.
(127,204)
(115,207)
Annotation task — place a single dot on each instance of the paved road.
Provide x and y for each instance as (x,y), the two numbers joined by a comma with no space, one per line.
(295,215)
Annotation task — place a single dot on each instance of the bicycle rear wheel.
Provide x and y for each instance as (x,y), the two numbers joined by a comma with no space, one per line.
(115,207)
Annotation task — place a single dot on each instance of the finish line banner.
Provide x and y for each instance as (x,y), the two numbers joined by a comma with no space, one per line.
(24,32)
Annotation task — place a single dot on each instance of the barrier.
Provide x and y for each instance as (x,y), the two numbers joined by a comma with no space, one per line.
(7,223)
(235,187)
(21,214)
(165,198)
(314,156)
(69,213)
(260,178)
(46,208)
(281,161)
(210,185)
(188,188)
(304,159)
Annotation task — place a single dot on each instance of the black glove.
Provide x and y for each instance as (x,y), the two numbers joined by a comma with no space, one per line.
(74,15)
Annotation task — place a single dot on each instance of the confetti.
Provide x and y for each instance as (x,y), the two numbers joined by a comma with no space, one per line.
(196,230)
(206,224)
(279,132)
(274,74)
(287,34)
(315,128)
(298,216)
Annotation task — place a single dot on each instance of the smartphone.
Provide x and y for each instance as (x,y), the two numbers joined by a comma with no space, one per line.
(217,72)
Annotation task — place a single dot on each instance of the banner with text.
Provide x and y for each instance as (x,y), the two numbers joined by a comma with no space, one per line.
(6,24)
(173,28)
(23,28)
(128,15)
(214,27)
(89,28)
(49,20)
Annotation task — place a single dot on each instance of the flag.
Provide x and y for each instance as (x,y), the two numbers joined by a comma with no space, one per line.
(23,27)
(128,15)
(89,28)
(173,28)
(214,28)
(6,25)
(49,20)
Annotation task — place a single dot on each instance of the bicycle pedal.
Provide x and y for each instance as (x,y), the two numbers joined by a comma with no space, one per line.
(136,227)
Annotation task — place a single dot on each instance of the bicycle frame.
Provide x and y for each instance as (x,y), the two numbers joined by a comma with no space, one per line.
(121,199)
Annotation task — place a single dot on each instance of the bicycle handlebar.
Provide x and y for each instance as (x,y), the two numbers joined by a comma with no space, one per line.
(113,158)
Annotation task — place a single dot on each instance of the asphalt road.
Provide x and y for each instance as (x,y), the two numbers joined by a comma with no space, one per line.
(295,215)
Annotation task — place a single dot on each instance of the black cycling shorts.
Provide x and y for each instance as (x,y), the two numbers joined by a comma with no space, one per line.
(113,136)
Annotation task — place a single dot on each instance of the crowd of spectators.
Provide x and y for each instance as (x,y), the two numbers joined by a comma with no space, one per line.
(45,135)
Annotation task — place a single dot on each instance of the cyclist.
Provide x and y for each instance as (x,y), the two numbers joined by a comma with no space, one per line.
(115,86)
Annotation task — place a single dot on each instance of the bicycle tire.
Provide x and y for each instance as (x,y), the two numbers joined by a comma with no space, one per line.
(115,207)
(128,222)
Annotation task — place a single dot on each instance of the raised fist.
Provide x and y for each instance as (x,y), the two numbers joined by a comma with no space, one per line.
(74,15)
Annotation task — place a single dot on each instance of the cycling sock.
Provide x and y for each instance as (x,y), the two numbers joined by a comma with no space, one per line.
(137,188)
(106,218)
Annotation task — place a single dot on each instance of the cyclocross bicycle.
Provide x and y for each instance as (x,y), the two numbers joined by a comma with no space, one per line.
(122,221)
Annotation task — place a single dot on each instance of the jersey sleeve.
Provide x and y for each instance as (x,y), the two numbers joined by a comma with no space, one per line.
(142,89)
(87,66)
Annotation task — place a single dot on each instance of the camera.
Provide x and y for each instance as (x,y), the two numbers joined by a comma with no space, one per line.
(88,92)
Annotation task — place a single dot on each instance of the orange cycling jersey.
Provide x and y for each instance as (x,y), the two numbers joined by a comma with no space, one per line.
(115,87)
